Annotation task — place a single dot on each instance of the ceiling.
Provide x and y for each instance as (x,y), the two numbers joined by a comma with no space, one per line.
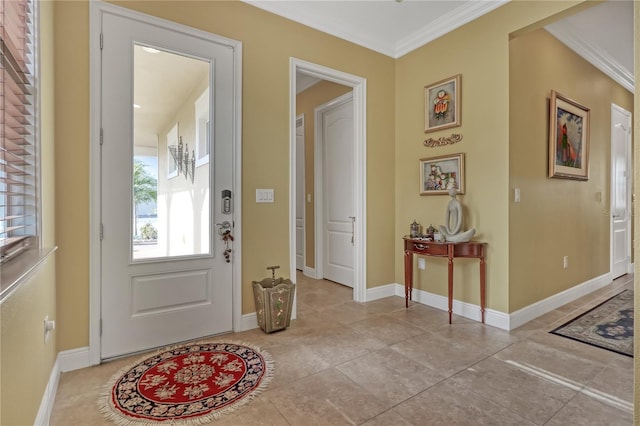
(602,34)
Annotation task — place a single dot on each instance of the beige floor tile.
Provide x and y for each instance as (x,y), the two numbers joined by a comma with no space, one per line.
(390,376)
(379,363)
(329,397)
(565,365)
(450,403)
(386,328)
(586,411)
(447,356)
(529,395)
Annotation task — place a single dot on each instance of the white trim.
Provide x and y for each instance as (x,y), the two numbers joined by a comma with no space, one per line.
(95,171)
(70,360)
(300,118)
(49,397)
(596,57)
(467,12)
(309,272)
(492,317)
(383,291)
(74,359)
(359,90)
(528,313)
(249,322)
(630,268)
(446,23)
(629,177)
(97,9)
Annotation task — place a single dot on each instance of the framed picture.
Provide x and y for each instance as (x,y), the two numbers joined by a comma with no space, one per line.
(568,138)
(439,174)
(442,104)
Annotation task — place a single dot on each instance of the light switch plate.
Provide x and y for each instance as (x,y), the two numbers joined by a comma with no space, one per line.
(264,196)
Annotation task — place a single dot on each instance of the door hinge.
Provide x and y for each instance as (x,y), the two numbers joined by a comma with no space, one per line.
(101,41)
(101,232)
(101,136)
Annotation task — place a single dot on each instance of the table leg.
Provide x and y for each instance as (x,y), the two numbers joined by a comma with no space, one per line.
(408,277)
(450,255)
(483,290)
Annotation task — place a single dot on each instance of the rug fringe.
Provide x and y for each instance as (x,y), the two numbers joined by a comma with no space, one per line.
(106,408)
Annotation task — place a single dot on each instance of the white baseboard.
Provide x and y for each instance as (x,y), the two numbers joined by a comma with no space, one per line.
(249,322)
(381,292)
(528,313)
(492,317)
(309,272)
(70,360)
(49,397)
(74,359)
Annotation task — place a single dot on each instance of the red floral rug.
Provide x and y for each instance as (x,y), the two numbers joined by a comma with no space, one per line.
(189,385)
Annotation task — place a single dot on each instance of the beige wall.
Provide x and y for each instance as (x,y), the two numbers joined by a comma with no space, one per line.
(71,51)
(26,360)
(556,217)
(268,43)
(306,103)
(480,52)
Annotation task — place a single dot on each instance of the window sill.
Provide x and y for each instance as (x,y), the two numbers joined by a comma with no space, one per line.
(15,272)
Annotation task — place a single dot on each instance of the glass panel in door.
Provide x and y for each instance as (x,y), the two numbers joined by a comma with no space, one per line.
(171,207)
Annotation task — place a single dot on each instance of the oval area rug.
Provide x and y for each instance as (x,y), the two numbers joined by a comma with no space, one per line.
(189,384)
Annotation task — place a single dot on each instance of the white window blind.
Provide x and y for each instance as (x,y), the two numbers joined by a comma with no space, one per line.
(18,128)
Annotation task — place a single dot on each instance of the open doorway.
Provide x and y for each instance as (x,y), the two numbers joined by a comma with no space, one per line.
(356,86)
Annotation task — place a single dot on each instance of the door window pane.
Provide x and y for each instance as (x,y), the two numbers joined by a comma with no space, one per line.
(170,195)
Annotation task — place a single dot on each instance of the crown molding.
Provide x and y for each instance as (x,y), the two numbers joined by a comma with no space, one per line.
(595,56)
(445,24)
(279,8)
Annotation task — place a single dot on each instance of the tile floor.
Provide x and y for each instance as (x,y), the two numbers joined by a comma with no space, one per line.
(377,363)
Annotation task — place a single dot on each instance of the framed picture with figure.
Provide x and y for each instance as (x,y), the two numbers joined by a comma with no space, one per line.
(439,174)
(568,138)
(442,107)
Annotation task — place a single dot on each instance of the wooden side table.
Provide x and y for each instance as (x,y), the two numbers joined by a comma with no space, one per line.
(470,249)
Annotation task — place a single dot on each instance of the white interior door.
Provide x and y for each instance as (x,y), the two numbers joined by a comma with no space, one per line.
(338,190)
(175,285)
(300,193)
(620,190)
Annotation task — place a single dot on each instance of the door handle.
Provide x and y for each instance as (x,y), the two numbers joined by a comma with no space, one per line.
(353,228)
(223,227)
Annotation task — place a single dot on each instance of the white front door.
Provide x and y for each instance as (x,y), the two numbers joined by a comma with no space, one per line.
(338,189)
(164,279)
(300,193)
(620,190)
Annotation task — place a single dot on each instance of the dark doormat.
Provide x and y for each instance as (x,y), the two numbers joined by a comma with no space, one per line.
(609,325)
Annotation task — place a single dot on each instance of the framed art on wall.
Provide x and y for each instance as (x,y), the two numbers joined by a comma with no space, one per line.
(439,174)
(568,138)
(442,104)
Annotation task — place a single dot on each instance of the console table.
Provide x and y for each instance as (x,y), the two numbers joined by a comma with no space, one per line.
(470,249)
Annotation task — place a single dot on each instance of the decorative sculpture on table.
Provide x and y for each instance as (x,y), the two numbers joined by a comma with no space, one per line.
(452,229)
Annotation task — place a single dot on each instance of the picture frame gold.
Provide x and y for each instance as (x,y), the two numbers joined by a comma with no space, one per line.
(441,173)
(569,127)
(442,104)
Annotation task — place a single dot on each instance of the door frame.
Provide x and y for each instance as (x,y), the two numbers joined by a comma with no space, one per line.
(359,90)
(629,178)
(318,178)
(300,118)
(96,10)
